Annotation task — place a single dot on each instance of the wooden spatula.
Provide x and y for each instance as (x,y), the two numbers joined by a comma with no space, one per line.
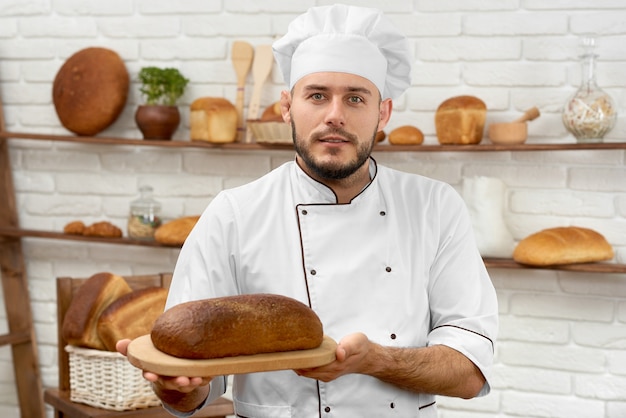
(242,54)
(261,69)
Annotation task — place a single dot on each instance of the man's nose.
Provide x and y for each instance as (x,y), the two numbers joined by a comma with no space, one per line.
(335,114)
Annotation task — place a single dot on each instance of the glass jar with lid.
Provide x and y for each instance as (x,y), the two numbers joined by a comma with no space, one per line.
(145,215)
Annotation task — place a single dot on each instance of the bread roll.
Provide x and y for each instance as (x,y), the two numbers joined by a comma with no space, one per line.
(272,113)
(406,135)
(103,229)
(563,245)
(461,120)
(74,228)
(175,232)
(131,316)
(90,90)
(237,325)
(380,136)
(213,119)
(79,326)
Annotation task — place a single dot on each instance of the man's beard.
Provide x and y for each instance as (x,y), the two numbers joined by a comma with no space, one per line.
(333,171)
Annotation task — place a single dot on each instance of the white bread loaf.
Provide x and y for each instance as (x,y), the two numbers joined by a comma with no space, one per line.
(213,119)
(562,245)
(131,316)
(79,326)
(460,120)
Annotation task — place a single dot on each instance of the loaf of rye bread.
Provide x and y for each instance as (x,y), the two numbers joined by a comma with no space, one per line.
(131,315)
(562,245)
(235,326)
(79,326)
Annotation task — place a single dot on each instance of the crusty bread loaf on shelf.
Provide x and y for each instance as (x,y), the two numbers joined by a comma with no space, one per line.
(237,325)
(562,245)
(213,119)
(175,232)
(131,315)
(460,120)
(406,135)
(79,326)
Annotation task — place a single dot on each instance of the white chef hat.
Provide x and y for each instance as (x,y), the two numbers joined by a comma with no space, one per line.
(348,39)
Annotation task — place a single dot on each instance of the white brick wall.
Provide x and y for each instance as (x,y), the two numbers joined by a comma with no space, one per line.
(562,340)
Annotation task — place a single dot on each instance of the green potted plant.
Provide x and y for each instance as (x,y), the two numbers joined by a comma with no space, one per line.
(161,88)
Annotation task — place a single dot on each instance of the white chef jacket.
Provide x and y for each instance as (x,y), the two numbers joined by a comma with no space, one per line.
(398,263)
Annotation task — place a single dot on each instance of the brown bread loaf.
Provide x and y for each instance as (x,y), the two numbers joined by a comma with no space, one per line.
(79,326)
(562,245)
(90,90)
(131,316)
(237,325)
(460,120)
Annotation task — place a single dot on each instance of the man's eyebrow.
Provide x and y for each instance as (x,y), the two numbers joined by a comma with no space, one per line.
(350,89)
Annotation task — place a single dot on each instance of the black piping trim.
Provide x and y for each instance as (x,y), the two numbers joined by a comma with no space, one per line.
(468,330)
(427,406)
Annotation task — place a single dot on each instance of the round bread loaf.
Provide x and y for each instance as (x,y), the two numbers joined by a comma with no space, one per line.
(562,245)
(461,120)
(90,90)
(237,325)
(406,135)
(272,113)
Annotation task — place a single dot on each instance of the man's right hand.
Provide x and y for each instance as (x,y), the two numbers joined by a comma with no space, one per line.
(180,392)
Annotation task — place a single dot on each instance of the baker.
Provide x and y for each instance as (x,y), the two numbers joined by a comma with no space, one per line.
(386,259)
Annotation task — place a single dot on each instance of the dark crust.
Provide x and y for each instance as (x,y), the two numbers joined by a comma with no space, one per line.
(237,325)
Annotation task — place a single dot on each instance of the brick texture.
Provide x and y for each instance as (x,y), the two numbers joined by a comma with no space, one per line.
(560,352)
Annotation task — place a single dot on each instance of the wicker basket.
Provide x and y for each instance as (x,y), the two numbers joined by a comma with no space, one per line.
(106,379)
(269,132)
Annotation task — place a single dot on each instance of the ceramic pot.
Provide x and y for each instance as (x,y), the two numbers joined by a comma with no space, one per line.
(157,121)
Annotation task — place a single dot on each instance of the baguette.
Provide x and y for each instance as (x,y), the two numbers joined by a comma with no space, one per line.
(237,325)
(562,245)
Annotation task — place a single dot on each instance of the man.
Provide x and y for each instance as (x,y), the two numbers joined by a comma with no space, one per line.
(386,259)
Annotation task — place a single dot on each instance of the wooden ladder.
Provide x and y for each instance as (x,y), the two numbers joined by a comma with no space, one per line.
(21,335)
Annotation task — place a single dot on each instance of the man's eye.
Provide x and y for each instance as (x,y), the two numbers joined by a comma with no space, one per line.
(317,96)
(355,99)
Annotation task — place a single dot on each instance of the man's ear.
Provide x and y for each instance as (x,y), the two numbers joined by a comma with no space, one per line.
(285,105)
(386,107)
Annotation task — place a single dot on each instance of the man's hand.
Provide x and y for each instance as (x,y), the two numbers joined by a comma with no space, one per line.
(181,392)
(351,353)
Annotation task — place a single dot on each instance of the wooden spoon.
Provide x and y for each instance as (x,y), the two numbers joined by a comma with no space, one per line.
(261,69)
(530,114)
(242,54)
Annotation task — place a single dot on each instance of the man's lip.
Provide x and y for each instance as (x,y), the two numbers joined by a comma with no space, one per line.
(334,139)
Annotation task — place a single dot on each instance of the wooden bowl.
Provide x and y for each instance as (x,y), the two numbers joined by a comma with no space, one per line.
(508,133)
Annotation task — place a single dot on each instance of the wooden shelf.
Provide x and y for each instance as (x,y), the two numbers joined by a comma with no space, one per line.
(489,262)
(255,146)
(584,267)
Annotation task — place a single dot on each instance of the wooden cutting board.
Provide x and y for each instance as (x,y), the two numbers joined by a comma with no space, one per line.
(142,354)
